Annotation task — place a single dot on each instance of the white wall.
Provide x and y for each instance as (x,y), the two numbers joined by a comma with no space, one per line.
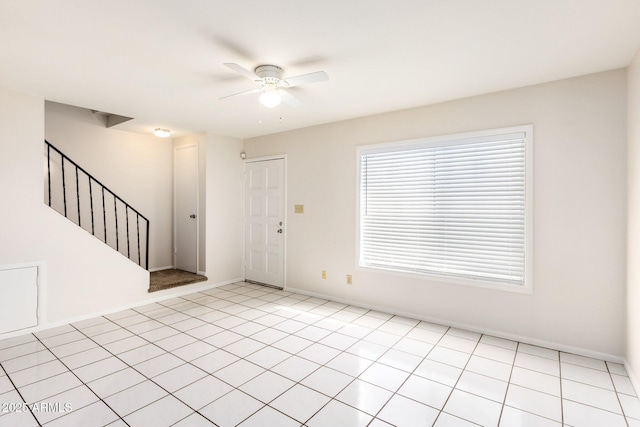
(633,216)
(201,140)
(579,213)
(225,208)
(138,168)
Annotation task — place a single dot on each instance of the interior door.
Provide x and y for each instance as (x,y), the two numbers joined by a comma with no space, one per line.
(264,221)
(186,208)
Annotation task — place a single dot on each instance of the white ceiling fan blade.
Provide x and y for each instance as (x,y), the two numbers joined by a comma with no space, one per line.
(318,76)
(246,92)
(289,99)
(241,70)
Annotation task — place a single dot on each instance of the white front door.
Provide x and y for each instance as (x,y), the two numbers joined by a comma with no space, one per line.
(186,208)
(264,221)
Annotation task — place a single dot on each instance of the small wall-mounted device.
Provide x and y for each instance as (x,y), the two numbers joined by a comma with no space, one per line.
(243,155)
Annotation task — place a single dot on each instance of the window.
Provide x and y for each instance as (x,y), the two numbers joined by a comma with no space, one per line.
(456,207)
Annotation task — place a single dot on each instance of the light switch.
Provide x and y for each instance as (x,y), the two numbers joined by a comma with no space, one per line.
(299,208)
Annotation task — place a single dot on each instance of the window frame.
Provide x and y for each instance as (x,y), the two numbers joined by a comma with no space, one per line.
(433,141)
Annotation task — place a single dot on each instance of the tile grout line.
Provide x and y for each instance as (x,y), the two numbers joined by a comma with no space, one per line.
(561,389)
(615,390)
(20,394)
(506,392)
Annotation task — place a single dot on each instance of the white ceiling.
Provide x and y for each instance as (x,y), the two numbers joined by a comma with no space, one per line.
(160,61)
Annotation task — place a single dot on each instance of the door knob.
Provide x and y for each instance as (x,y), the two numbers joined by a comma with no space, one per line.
(192,216)
(280,230)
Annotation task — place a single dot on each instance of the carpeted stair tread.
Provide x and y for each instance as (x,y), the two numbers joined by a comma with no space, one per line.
(165,279)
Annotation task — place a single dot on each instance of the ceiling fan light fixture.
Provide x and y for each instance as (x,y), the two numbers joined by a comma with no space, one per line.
(270,98)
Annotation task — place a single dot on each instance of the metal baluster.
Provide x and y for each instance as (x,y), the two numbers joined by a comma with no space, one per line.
(126,210)
(138,234)
(104,215)
(78,196)
(49,170)
(147,248)
(64,188)
(115,209)
(93,230)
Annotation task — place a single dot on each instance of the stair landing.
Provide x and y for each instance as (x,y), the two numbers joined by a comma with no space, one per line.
(165,279)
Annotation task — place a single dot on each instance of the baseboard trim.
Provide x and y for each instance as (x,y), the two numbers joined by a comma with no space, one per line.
(473,328)
(196,287)
(153,270)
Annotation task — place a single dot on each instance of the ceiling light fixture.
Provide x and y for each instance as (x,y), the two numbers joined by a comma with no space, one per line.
(270,98)
(162,133)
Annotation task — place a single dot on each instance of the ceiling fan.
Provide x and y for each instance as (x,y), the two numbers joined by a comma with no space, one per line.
(272,85)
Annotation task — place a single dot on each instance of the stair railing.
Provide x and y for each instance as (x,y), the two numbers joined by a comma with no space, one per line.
(69,193)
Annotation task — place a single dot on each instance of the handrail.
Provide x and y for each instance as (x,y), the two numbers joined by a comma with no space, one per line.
(64,158)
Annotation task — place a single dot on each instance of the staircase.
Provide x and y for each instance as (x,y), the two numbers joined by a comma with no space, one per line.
(81,198)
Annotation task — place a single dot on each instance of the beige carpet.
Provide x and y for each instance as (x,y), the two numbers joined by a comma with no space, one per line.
(166,279)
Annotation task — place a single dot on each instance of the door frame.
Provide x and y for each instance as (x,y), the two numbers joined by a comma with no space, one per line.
(284,214)
(195,144)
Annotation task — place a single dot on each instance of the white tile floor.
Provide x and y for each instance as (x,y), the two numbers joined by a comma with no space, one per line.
(253,356)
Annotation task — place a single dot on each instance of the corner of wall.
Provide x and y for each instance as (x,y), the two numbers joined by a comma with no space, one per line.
(632,350)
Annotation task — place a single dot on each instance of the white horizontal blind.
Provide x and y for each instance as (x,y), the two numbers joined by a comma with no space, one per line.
(455,208)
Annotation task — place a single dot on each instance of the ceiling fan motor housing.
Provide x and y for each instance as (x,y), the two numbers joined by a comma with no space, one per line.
(270,73)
